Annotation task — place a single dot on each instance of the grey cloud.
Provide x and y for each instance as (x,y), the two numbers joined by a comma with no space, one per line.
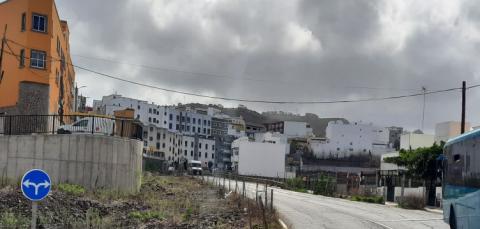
(249,43)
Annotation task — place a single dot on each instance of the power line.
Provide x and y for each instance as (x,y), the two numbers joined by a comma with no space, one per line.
(259,100)
(218,76)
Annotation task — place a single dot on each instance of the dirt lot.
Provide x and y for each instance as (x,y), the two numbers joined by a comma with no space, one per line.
(163,202)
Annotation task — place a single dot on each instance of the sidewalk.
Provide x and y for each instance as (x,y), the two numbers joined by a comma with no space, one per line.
(434,210)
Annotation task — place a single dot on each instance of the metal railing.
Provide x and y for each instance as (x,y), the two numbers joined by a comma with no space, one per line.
(69,124)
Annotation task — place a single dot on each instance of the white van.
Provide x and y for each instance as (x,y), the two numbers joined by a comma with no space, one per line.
(195,167)
(84,125)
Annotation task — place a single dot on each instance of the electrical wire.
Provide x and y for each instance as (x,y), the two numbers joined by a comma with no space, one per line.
(259,100)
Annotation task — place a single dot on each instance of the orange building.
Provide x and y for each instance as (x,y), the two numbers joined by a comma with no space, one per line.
(38,78)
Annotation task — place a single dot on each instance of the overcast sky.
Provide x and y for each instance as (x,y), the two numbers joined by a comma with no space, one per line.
(285,50)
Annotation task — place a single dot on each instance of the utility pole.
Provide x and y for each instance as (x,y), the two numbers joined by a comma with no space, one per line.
(424,90)
(4,40)
(464,90)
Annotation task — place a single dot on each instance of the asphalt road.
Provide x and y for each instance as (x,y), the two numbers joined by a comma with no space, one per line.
(301,210)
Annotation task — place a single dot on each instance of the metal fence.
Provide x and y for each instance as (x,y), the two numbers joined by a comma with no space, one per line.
(69,124)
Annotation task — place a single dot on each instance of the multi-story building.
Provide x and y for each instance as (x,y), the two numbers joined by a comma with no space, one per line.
(345,139)
(252,128)
(38,77)
(291,129)
(448,130)
(225,130)
(176,119)
(394,136)
(178,147)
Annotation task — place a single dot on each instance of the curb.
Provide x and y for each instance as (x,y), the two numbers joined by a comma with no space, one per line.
(434,210)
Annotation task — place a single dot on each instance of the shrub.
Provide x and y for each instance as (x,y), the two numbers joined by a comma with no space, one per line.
(295,183)
(72,189)
(412,202)
(368,199)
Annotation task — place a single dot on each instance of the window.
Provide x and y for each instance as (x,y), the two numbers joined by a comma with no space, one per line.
(138,107)
(178,118)
(163,145)
(204,131)
(170,126)
(24,21)
(37,59)
(204,122)
(164,135)
(176,127)
(188,128)
(39,23)
(208,131)
(191,153)
(149,119)
(22,58)
(206,146)
(158,145)
(208,122)
(199,145)
(150,110)
(206,155)
(59,47)
(191,144)
(213,156)
(193,120)
(150,139)
(213,147)
(188,119)
(171,117)
(199,121)
(199,154)
(193,129)
(186,143)
(185,152)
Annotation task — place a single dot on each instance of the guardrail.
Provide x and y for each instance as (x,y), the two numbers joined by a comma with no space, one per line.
(69,124)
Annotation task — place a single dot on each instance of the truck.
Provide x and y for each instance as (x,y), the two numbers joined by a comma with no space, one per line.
(85,125)
(194,167)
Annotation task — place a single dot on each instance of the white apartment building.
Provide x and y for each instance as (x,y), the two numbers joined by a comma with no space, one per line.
(177,147)
(185,120)
(448,130)
(415,141)
(344,139)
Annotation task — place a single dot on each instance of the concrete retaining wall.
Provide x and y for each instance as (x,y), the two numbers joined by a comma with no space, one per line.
(92,161)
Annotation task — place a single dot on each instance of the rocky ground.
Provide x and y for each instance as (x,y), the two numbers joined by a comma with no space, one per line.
(163,202)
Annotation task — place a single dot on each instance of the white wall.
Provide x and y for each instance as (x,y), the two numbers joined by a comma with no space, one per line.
(354,138)
(448,130)
(296,129)
(261,159)
(416,141)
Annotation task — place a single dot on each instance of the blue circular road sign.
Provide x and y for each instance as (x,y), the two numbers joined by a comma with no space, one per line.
(35,184)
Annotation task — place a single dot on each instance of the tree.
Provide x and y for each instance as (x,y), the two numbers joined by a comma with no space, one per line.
(421,163)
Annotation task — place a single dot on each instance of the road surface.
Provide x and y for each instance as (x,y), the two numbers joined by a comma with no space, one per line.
(301,210)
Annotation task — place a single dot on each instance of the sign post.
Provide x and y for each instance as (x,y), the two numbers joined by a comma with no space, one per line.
(36,186)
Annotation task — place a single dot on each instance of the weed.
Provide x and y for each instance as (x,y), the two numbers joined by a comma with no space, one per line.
(71,189)
(146,215)
(9,219)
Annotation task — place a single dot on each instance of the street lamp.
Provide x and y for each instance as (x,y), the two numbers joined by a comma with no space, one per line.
(76,95)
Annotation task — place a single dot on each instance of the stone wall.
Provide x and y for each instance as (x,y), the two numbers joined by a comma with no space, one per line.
(92,161)
(33,98)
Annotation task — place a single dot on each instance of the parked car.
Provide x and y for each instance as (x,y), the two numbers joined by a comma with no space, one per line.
(85,125)
(195,167)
